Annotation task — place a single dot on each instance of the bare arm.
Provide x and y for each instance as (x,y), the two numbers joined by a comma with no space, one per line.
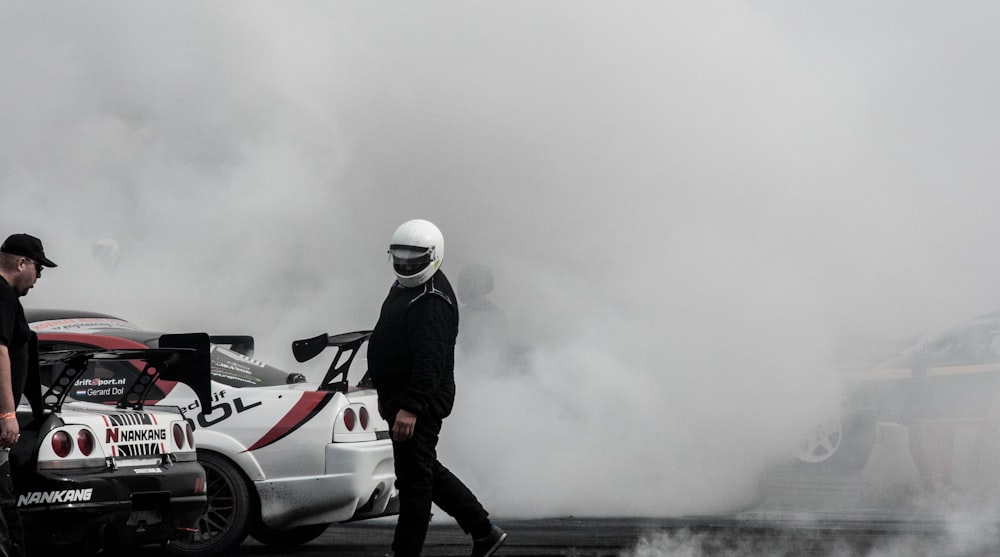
(9,429)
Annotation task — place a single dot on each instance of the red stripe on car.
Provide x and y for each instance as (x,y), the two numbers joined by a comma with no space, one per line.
(308,406)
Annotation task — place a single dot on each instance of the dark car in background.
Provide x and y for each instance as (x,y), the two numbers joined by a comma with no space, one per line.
(920,423)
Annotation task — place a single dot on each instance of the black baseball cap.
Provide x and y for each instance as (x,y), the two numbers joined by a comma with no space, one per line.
(26,245)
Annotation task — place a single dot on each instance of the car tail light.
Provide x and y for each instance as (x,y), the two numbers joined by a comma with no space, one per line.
(179,435)
(363,417)
(62,444)
(190,434)
(84,441)
(199,485)
(350,419)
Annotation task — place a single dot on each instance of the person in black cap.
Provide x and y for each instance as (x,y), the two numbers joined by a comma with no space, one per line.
(21,262)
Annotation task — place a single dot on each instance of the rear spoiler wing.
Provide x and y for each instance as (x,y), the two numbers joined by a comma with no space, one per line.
(184,358)
(347,344)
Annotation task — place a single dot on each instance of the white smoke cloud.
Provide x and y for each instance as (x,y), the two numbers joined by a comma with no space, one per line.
(958,538)
(683,206)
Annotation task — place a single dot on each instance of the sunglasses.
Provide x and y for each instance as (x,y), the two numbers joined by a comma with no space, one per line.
(38,267)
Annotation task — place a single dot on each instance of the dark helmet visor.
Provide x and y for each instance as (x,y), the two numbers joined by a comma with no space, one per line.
(410,260)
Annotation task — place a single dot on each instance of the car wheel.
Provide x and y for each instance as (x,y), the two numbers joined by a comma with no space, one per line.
(290,537)
(822,441)
(227,519)
(840,443)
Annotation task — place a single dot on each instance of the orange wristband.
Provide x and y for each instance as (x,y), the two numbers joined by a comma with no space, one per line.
(8,415)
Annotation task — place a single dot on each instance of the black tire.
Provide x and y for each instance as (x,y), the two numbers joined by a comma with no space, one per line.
(231,510)
(290,537)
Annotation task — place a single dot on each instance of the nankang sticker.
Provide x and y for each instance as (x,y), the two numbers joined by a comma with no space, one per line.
(132,441)
(118,435)
(50,497)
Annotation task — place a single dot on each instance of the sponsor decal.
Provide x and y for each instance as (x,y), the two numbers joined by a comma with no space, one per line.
(234,366)
(148,470)
(138,418)
(97,382)
(100,387)
(234,372)
(119,435)
(110,391)
(221,409)
(81,324)
(139,449)
(50,497)
(233,355)
(131,435)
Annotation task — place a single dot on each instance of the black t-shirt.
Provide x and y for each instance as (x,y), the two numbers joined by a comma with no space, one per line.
(15,334)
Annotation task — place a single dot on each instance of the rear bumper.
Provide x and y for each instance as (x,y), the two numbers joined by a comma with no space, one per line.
(126,506)
(359,480)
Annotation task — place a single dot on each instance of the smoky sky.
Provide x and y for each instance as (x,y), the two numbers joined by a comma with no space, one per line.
(684,207)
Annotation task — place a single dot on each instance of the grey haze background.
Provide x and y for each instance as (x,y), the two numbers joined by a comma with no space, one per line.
(685,206)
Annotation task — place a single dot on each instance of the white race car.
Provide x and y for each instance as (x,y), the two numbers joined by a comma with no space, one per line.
(93,476)
(283,458)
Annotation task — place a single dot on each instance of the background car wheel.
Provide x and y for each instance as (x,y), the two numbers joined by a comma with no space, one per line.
(290,537)
(227,519)
(822,441)
(840,443)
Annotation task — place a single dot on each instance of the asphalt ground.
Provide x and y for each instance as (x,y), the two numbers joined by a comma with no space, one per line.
(797,514)
(730,536)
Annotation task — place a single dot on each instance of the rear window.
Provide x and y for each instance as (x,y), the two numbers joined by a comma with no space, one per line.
(236,370)
(103,380)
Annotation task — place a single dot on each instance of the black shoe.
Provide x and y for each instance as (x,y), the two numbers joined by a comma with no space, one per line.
(484,547)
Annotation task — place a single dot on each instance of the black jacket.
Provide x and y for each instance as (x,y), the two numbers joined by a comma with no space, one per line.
(411,353)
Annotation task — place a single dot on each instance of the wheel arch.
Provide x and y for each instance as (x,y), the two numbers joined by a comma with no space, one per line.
(230,449)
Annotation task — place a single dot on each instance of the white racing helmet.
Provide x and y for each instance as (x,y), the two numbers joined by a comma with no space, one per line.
(416,251)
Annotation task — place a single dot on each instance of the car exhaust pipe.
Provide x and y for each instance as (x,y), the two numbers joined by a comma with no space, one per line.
(370,504)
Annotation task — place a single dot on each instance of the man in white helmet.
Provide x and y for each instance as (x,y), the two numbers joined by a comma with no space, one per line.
(411,358)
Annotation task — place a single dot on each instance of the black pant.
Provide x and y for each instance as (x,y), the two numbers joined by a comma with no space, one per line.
(422,480)
(12,533)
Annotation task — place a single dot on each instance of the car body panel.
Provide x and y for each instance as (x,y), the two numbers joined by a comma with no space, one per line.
(280,436)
